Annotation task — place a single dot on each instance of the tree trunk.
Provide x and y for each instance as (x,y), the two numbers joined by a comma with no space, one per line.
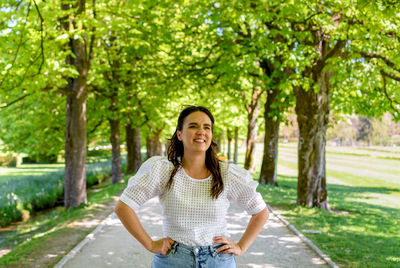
(219,142)
(223,147)
(235,154)
(153,144)
(229,134)
(114,79)
(252,128)
(116,173)
(312,111)
(156,144)
(75,146)
(149,152)
(75,131)
(268,174)
(133,148)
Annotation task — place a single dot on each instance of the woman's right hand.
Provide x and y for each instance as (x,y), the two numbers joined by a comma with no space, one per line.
(161,246)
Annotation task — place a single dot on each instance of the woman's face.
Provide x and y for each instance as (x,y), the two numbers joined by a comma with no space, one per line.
(196,133)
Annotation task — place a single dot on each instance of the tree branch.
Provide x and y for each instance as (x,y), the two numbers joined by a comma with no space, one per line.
(392,101)
(378,56)
(335,50)
(17,6)
(204,59)
(96,126)
(92,38)
(392,76)
(15,101)
(321,63)
(41,36)
(19,45)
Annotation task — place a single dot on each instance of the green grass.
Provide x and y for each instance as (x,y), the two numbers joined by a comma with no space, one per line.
(28,170)
(363,235)
(388,157)
(364,231)
(29,188)
(33,237)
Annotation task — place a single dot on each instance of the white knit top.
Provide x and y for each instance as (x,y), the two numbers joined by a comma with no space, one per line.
(190,215)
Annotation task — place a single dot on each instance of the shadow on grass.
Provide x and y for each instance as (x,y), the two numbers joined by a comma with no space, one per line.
(366,236)
(40,167)
(337,192)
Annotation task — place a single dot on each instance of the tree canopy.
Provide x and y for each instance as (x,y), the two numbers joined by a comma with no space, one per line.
(136,63)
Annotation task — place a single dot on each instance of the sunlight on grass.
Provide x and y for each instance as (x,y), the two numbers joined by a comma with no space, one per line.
(29,170)
(31,236)
(367,210)
(23,195)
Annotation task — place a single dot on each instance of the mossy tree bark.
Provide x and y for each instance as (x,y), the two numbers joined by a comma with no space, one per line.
(236,147)
(252,127)
(133,145)
(229,136)
(75,132)
(153,143)
(268,174)
(116,168)
(312,109)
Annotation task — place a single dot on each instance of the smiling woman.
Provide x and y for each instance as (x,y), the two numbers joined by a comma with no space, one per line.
(195,190)
(196,132)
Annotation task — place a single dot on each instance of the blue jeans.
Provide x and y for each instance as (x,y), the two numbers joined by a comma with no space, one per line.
(182,256)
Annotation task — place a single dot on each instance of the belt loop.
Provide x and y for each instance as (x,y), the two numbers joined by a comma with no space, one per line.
(212,251)
(174,245)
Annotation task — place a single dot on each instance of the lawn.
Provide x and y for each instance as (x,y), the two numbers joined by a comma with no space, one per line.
(34,187)
(44,239)
(364,192)
(53,231)
(29,170)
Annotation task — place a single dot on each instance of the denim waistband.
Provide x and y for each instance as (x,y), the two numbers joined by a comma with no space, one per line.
(210,250)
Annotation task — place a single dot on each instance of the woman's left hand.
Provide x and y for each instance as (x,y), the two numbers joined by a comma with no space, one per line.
(228,246)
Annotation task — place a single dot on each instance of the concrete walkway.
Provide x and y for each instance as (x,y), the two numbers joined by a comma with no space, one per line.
(113,246)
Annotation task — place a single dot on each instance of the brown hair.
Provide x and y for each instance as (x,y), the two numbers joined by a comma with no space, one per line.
(175,151)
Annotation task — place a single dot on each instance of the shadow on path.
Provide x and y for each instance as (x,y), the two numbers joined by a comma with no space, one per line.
(113,246)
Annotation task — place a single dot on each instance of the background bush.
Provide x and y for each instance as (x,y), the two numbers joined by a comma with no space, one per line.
(21,196)
(8,161)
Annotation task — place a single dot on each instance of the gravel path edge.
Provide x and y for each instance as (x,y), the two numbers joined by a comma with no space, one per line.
(89,237)
(304,239)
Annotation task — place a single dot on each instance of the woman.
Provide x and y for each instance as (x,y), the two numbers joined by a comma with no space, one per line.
(195,191)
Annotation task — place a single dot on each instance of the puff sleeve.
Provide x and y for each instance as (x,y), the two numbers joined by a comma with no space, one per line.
(145,184)
(242,190)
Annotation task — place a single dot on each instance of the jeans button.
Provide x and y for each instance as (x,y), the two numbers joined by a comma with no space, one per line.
(196,250)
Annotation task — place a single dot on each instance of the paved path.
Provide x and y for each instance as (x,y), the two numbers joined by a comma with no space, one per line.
(113,246)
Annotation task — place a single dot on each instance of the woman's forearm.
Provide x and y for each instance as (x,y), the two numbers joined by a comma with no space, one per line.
(131,222)
(254,227)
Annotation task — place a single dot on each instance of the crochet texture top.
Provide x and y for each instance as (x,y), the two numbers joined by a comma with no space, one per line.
(190,215)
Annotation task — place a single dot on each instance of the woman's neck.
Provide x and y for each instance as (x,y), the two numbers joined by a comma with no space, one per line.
(195,165)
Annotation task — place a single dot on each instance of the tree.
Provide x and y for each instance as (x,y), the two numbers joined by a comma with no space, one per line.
(252,109)
(46,26)
(259,53)
(364,129)
(81,48)
(229,136)
(278,101)
(312,109)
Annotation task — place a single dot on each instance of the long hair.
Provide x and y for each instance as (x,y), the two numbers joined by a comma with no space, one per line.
(175,151)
